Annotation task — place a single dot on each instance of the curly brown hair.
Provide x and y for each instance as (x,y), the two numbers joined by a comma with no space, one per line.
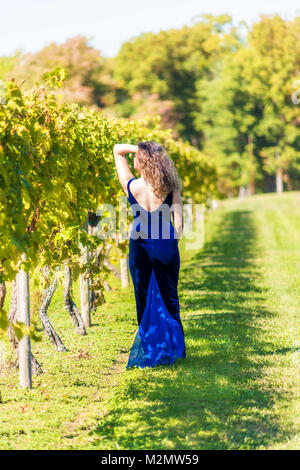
(158,169)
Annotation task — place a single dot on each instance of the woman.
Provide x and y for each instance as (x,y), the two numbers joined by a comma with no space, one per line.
(154,259)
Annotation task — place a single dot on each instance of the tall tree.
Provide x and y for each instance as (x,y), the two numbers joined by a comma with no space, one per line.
(88,73)
(277,48)
(168,64)
(250,123)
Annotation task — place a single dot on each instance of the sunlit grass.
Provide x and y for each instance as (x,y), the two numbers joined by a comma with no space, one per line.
(238,387)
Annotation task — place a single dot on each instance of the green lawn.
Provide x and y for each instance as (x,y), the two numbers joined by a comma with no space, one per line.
(239,386)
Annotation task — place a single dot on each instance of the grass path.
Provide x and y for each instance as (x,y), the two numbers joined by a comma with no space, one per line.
(238,388)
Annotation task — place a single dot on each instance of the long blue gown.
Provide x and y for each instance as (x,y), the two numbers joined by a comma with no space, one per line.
(154,264)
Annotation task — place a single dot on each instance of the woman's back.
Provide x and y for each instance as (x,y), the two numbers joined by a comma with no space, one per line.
(143,193)
(155,222)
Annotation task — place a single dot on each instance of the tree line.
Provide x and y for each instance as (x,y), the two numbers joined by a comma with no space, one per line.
(226,89)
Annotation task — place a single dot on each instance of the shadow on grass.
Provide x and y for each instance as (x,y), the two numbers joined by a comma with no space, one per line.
(217,397)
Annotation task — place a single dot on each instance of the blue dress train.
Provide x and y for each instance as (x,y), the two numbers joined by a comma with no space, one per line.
(154,264)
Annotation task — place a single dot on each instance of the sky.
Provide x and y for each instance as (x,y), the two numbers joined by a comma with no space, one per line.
(29,25)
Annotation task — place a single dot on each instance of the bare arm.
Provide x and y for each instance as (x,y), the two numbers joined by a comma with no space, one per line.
(177,210)
(123,170)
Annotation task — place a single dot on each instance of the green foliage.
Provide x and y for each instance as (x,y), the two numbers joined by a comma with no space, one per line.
(20,330)
(55,78)
(250,95)
(215,84)
(57,163)
(170,63)
(7,64)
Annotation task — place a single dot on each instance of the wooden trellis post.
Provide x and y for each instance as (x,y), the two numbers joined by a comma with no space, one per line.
(124,272)
(85,296)
(23,315)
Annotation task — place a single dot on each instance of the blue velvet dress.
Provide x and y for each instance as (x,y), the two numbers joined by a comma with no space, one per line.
(154,264)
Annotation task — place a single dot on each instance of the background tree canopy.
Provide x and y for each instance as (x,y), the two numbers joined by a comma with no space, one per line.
(225,89)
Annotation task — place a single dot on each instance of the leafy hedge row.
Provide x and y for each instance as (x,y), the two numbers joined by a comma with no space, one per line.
(57,162)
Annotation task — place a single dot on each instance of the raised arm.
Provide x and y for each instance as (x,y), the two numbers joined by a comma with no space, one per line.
(123,170)
(177,211)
